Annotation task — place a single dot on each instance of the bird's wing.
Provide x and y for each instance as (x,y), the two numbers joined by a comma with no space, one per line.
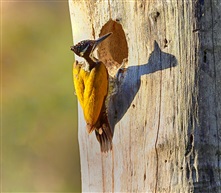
(78,82)
(96,87)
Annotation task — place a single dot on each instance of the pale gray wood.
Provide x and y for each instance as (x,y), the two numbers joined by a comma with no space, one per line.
(166,112)
(208,132)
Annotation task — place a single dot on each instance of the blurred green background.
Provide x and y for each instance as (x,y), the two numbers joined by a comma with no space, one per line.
(39,111)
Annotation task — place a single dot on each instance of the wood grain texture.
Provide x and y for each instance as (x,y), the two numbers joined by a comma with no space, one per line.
(208,132)
(166,113)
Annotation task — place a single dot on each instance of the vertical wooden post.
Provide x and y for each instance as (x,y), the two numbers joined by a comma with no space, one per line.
(166,112)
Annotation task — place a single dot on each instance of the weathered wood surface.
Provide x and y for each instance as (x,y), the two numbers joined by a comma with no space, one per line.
(207,147)
(167,111)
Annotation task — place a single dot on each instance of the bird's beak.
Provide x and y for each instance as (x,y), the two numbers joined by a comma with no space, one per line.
(99,40)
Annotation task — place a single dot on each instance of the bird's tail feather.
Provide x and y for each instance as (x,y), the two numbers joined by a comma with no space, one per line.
(104,134)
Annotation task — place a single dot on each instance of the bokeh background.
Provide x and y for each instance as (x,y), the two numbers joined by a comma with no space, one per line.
(39,109)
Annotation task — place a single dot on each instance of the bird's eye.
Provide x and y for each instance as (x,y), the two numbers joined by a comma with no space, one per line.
(81,47)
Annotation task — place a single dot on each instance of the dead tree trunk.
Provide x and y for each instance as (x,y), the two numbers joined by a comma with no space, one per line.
(166,111)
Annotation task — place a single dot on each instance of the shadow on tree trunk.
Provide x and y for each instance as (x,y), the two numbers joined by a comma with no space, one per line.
(128,82)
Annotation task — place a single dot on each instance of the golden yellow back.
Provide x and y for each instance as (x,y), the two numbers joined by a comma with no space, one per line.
(91,88)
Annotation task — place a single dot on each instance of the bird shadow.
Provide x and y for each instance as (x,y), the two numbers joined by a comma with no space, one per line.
(128,81)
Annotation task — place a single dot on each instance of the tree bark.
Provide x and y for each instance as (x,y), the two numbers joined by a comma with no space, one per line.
(165,110)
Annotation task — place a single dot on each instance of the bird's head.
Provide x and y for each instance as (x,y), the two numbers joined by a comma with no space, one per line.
(85,48)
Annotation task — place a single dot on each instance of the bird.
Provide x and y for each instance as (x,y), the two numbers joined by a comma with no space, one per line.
(91,81)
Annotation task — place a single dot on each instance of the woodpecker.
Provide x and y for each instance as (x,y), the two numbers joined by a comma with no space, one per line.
(91,86)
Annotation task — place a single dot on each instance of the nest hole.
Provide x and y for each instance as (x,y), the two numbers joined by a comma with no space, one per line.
(114,50)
